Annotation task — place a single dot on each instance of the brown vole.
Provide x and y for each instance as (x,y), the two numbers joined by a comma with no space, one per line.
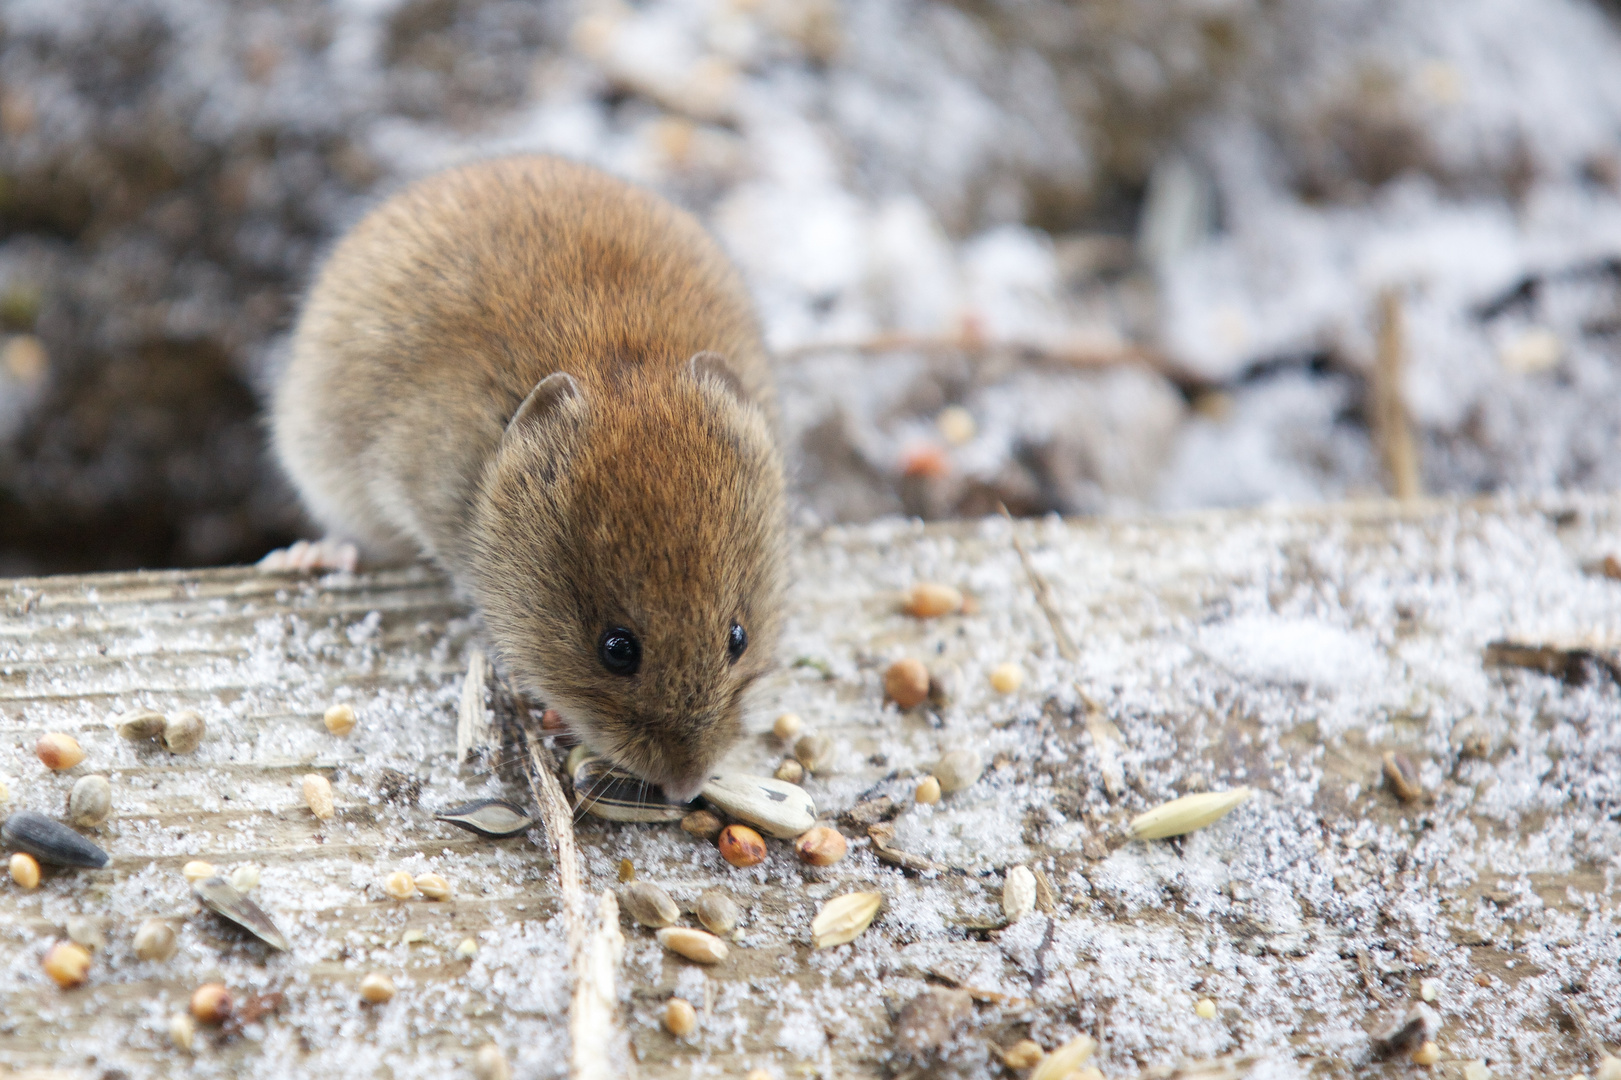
(552,383)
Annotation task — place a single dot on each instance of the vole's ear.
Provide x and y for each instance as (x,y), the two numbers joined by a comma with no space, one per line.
(712,365)
(548,399)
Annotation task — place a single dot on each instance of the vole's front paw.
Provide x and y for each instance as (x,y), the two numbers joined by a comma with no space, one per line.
(306,556)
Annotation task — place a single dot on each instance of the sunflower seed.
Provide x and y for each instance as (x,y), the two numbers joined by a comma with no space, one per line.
(495,818)
(50,841)
(220,897)
(777,807)
(604,791)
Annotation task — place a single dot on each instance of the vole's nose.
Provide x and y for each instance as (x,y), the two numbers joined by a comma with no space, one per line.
(685,788)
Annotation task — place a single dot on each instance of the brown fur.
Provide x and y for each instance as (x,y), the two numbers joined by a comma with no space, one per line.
(646,493)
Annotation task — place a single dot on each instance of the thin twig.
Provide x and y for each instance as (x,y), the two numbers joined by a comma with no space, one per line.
(473,716)
(1392,426)
(594,947)
(1043,591)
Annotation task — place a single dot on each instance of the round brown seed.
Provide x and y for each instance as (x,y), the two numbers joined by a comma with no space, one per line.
(741,846)
(702,824)
(211,1003)
(68,963)
(906,683)
(814,752)
(25,870)
(928,791)
(821,846)
(340,719)
(91,801)
(790,770)
(58,751)
(376,988)
(400,885)
(154,940)
(929,599)
(787,726)
(183,732)
(1006,678)
(680,1018)
(141,724)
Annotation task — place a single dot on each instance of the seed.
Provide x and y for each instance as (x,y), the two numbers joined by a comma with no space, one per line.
(956,424)
(930,1019)
(433,886)
(790,771)
(906,683)
(627,871)
(495,818)
(140,724)
(91,801)
(695,945)
(1186,814)
(58,751)
(413,937)
(196,870)
(376,988)
(815,752)
(821,846)
(843,918)
(1091,1072)
(245,878)
(183,732)
(1205,1009)
(318,793)
(1402,776)
(25,870)
(741,846)
(929,599)
(182,1030)
(702,824)
(50,841)
(1430,989)
(1022,1054)
(1426,1054)
(603,790)
(717,912)
(467,948)
(1065,1060)
(781,809)
(1006,678)
(87,932)
(648,904)
(154,940)
(340,719)
(68,963)
(210,1003)
(220,897)
(757,1074)
(787,726)
(680,1018)
(399,885)
(928,791)
(1018,893)
(490,1064)
(958,770)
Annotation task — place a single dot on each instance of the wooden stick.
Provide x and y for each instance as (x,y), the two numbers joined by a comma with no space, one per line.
(1392,426)
(473,716)
(595,946)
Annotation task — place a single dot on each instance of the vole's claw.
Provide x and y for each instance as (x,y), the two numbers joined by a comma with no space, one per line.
(304,556)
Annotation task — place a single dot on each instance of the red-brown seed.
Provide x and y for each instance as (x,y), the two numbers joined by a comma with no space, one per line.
(741,846)
(906,683)
(821,846)
(211,1003)
(58,751)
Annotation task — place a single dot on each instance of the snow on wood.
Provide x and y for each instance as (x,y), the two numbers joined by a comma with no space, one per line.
(1285,651)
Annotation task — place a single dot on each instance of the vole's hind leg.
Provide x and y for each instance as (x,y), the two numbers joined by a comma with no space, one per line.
(309,556)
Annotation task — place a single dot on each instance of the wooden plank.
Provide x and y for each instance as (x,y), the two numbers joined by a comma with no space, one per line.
(1284,650)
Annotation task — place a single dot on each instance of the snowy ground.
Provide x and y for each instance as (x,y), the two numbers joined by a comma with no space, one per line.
(1206,198)
(1286,651)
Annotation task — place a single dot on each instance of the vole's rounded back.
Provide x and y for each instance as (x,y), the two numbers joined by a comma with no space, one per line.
(552,382)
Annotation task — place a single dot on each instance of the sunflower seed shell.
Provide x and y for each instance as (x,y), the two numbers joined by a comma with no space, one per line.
(615,795)
(776,807)
(495,818)
(221,897)
(50,841)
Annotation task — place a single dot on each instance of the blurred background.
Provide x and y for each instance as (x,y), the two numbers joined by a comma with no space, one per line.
(1090,257)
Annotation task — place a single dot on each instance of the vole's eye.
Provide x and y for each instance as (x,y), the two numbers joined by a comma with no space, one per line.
(736,641)
(619,651)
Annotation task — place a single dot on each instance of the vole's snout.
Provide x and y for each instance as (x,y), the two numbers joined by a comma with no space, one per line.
(686,788)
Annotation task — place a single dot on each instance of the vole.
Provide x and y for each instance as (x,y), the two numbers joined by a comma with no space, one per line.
(552,383)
